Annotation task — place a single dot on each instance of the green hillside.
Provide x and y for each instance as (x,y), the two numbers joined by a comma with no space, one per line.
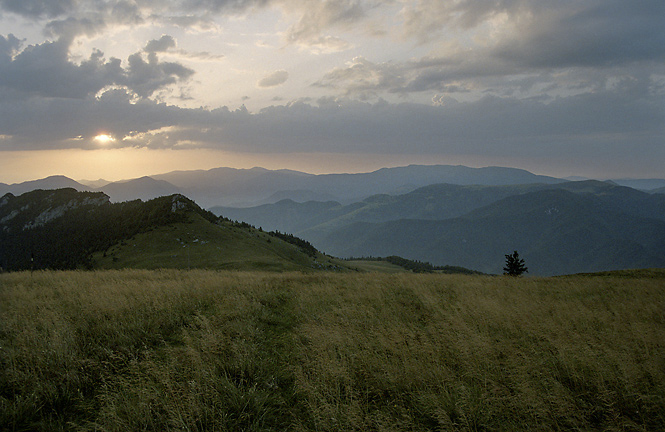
(65,229)
(198,243)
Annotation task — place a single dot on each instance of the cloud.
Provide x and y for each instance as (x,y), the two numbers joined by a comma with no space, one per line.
(363,77)
(532,32)
(162,44)
(167,44)
(146,77)
(8,47)
(536,48)
(274,79)
(602,124)
(596,33)
(45,70)
(317,17)
(38,8)
(532,77)
(71,18)
(559,34)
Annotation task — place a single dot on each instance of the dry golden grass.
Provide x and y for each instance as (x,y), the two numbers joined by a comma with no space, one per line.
(205,350)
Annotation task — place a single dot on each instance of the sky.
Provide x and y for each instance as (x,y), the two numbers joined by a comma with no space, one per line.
(119,89)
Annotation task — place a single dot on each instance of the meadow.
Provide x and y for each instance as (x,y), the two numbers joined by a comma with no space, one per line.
(202,350)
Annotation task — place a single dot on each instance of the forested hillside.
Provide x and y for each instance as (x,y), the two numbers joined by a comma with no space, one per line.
(66,229)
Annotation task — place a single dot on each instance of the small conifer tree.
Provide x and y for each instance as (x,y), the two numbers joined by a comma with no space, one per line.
(514,265)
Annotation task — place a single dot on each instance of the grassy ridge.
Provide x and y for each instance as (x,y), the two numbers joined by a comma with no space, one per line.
(200,244)
(206,350)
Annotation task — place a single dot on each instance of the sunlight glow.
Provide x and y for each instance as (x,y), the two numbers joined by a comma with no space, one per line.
(104,138)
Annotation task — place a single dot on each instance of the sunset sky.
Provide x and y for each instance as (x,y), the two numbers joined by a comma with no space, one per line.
(123,88)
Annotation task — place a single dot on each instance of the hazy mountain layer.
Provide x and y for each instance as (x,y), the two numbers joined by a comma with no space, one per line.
(556,231)
(227,186)
(434,202)
(250,187)
(588,226)
(256,186)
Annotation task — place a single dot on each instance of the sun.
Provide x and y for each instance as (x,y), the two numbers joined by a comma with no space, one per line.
(104,138)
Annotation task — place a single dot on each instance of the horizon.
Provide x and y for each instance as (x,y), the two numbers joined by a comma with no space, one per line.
(90,181)
(120,89)
(126,164)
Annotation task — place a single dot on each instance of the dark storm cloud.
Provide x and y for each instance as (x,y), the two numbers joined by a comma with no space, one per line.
(491,125)
(48,123)
(37,9)
(8,47)
(69,18)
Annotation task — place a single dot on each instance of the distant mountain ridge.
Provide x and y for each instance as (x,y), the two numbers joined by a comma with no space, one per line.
(556,231)
(231,187)
(250,187)
(244,188)
(589,225)
(51,182)
(433,202)
(471,221)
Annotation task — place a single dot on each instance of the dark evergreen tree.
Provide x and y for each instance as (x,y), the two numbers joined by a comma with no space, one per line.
(514,265)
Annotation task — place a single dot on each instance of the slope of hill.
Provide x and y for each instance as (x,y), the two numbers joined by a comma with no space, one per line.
(197,243)
(658,191)
(647,185)
(65,229)
(556,231)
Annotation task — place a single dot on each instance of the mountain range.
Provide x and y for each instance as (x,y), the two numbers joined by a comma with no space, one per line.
(251,187)
(560,228)
(446,215)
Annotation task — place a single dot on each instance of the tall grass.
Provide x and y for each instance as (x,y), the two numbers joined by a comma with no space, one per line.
(203,350)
